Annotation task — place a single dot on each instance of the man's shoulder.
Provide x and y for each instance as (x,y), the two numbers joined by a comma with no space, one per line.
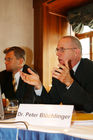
(87,62)
(4,75)
(4,72)
(86,65)
(25,67)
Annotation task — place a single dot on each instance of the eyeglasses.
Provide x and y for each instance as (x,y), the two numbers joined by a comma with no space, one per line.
(63,49)
(8,59)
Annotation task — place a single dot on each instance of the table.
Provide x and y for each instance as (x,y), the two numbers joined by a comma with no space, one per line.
(82,116)
(20,134)
(75,132)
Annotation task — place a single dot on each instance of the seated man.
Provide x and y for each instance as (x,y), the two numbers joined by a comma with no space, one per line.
(72,82)
(15,62)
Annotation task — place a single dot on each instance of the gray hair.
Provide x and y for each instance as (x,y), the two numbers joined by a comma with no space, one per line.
(75,41)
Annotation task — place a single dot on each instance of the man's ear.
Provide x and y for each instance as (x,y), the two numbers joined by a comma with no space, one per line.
(77,52)
(21,61)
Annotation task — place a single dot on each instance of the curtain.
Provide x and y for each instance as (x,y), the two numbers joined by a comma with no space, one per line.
(81,16)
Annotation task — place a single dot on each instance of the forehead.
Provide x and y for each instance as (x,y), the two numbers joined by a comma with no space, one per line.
(64,42)
(10,54)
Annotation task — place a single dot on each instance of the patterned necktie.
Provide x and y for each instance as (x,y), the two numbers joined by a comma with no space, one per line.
(14,83)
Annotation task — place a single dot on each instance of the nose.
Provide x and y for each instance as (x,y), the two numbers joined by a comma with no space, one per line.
(6,62)
(58,53)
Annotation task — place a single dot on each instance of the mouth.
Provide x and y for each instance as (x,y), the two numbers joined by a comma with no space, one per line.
(7,67)
(60,61)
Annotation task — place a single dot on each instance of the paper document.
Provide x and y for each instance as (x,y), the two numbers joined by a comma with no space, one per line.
(83,122)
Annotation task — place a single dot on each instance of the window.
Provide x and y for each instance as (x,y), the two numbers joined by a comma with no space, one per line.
(86,39)
(87,29)
(85,48)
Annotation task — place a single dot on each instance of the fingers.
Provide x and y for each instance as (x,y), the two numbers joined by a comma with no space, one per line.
(56,72)
(27,78)
(23,76)
(65,66)
(32,79)
(30,71)
(33,74)
(62,72)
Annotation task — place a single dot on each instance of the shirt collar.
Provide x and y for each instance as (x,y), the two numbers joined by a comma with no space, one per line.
(17,75)
(76,66)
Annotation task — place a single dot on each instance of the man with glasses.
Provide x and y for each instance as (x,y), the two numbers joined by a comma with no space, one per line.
(11,83)
(72,79)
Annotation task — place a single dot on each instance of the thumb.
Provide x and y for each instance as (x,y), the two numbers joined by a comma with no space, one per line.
(66,64)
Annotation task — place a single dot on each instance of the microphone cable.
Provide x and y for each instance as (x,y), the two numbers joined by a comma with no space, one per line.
(16,122)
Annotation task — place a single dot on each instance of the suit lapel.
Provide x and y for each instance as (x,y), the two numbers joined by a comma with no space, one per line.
(80,72)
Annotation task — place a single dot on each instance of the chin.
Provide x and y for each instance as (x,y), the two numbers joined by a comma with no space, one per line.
(61,62)
(8,69)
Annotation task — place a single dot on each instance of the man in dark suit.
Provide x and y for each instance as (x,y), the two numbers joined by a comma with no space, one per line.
(15,62)
(72,81)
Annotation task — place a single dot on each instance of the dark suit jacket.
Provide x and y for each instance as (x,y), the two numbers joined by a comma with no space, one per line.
(80,94)
(24,93)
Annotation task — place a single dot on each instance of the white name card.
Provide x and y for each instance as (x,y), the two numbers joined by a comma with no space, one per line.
(45,115)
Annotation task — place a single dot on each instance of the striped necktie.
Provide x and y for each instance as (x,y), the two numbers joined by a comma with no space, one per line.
(14,83)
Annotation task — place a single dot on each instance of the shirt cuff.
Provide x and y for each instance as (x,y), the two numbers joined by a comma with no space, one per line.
(39,91)
(68,87)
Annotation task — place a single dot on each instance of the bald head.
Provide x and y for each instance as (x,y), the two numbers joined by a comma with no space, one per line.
(75,41)
(69,49)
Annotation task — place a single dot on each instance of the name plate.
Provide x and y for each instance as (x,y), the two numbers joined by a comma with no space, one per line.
(45,115)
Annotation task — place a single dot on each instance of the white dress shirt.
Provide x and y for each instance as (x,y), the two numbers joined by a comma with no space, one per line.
(17,77)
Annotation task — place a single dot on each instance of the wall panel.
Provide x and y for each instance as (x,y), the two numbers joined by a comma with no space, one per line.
(48,29)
